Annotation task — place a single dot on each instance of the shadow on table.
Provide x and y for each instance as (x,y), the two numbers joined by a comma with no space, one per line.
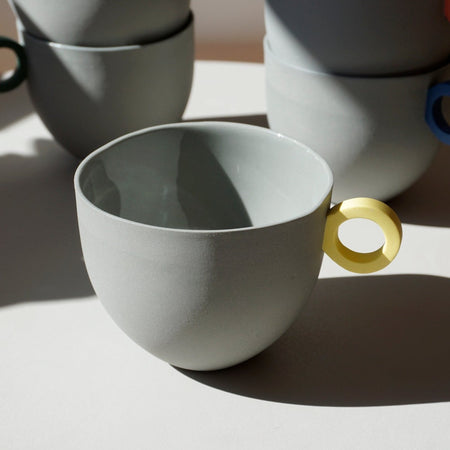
(40,256)
(14,105)
(426,202)
(359,341)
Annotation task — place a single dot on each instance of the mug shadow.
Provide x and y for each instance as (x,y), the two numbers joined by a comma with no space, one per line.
(359,341)
(259,120)
(40,253)
(14,105)
(219,205)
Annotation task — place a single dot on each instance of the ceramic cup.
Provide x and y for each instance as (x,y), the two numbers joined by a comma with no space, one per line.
(102,22)
(87,96)
(359,37)
(203,240)
(372,131)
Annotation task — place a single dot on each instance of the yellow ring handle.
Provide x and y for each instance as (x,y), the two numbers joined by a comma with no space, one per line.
(362,208)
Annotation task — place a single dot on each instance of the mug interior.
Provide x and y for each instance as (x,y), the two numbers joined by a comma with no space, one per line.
(205,176)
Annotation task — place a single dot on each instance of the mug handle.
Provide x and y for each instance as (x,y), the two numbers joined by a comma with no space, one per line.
(362,208)
(434,115)
(20,73)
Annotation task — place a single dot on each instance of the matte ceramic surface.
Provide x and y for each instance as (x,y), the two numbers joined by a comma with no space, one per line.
(359,37)
(371,131)
(87,96)
(102,22)
(203,240)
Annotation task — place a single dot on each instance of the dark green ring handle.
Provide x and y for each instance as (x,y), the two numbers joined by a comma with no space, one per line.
(20,73)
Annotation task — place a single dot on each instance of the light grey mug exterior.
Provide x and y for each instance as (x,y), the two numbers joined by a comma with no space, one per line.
(87,96)
(102,22)
(359,37)
(197,298)
(371,130)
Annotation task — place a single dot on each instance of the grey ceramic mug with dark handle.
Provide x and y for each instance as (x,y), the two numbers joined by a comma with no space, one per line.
(87,96)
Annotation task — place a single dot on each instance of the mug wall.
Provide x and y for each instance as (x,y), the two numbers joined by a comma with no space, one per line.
(359,37)
(229,305)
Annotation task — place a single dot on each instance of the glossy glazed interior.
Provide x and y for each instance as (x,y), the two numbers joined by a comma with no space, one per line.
(209,176)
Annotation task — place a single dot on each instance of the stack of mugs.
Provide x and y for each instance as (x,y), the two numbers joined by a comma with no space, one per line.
(98,69)
(362,83)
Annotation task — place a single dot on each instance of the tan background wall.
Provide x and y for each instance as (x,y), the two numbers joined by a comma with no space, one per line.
(230,29)
(226,30)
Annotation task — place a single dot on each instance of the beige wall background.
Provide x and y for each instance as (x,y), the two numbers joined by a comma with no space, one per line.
(225,30)
(230,29)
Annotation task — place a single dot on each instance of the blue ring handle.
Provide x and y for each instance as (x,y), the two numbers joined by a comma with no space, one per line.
(434,115)
(20,73)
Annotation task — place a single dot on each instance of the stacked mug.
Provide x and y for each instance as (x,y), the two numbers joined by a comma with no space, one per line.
(363,84)
(98,69)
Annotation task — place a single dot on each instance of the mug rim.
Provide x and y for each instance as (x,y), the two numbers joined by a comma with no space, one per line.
(205,232)
(106,49)
(424,71)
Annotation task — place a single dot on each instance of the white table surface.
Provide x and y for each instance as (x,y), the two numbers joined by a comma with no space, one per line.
(366,365)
